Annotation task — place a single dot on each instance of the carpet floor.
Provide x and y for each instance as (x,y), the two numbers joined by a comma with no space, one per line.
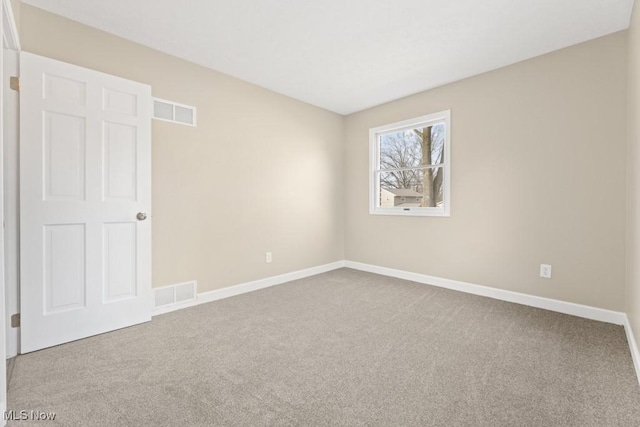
(341,348)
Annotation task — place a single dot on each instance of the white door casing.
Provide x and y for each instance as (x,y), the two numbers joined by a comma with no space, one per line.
(10,146)
(85,173)
(5,22)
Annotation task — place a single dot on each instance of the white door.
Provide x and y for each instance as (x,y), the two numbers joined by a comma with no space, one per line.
(85,201)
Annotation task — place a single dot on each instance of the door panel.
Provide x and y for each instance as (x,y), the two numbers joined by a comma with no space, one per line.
(64,267)
(85,172)
(120,244)
(64,90)
(64,157)
(120,148)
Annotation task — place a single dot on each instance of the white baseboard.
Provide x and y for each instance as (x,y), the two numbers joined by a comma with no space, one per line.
(633,346)
(565,307)
(579,310)
(249,287)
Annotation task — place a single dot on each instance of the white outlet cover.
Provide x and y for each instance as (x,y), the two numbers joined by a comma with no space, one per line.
(545,271)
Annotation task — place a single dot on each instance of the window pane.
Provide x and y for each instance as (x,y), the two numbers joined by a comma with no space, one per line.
(413,147)
(411,188)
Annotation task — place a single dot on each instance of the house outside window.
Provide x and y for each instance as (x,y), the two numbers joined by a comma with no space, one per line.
(410,167)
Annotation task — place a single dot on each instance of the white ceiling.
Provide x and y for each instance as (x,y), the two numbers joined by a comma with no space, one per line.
(348,55)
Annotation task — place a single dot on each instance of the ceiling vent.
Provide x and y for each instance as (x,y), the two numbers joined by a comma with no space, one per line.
(173,112)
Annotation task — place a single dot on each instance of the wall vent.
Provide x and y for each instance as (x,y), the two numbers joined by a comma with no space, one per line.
(175,294)
(173,112)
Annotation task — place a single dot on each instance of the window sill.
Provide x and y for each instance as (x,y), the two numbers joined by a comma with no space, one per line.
(436,212)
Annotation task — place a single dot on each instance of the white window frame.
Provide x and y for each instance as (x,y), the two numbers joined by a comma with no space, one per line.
(374,166)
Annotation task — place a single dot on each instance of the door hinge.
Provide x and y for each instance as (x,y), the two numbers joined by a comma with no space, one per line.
(15,320)
(14,83)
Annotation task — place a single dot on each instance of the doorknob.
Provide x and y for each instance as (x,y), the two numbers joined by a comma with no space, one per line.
(141,216)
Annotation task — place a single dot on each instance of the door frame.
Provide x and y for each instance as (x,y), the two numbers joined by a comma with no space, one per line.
(11,41)
(10,188)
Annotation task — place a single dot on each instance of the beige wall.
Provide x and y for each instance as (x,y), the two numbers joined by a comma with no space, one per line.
(531,182)
(538,160)
(633,176)
(16,6)
(261,172)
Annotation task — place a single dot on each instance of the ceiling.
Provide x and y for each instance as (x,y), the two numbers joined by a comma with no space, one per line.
(348,55)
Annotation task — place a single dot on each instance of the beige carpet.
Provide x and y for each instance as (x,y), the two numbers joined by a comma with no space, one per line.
(341,348)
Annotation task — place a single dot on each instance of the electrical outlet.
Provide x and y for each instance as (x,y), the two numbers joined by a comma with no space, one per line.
(545,271)
(267,257)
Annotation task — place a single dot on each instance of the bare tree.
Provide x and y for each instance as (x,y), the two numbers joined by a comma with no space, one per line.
(398,153)
(428,196)
(406,156)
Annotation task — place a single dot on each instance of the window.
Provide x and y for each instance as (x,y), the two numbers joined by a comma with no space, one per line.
(410,167)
